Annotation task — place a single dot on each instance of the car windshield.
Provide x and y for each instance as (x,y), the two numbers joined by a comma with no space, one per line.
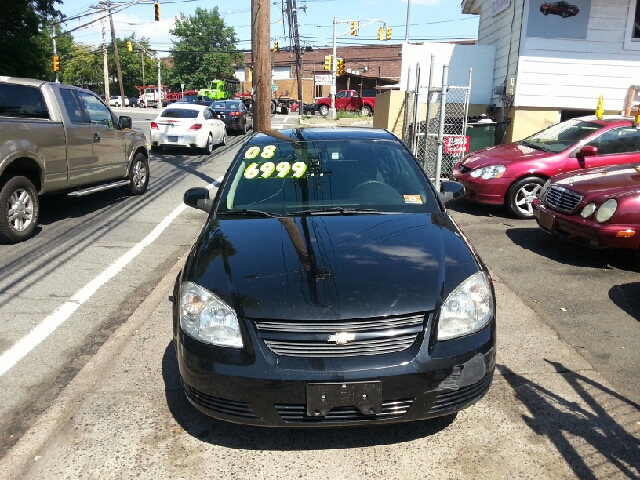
(561,136)
(179,113)
(325,177)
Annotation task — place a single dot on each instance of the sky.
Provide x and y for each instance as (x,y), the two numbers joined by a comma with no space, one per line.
(430,20)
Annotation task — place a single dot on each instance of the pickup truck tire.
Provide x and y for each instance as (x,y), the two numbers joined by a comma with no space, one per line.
(138,176)
(324,110)
(366,111)
(20,209)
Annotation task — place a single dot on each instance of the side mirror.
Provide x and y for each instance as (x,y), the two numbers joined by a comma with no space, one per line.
(585,152)
(198,198)
(124,122)
(450,190)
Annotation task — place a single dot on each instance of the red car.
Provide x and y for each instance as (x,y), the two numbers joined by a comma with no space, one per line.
(512,174)
(564,9)
(598,208)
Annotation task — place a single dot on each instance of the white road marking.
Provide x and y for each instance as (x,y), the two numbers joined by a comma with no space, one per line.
(41,331)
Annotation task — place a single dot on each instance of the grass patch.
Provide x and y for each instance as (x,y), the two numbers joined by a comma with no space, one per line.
(347,114)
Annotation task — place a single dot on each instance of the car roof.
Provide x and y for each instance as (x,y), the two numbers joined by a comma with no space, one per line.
(607,119)
(187,106)
(337,134)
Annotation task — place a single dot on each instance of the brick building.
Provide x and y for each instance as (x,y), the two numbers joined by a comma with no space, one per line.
(366,67)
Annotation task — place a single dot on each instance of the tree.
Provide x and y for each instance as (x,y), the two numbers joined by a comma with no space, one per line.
(206,49)
(22,34)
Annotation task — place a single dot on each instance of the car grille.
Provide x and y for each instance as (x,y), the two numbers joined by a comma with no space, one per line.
(561,199)
(462,396)
(298,413)
(219,405)
(368,336)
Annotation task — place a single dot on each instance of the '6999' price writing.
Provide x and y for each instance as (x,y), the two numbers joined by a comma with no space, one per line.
(279,170)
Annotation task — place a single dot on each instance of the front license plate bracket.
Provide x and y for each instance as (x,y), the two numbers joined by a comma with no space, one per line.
(365,396)
(546,220)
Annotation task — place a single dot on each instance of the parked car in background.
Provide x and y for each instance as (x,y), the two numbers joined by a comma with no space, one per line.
(348,100)
(512,174)
(598,208)
(198,99)
(234,114)
(187,125)
(564,9)
(56,138)
(329,287)
(118,101)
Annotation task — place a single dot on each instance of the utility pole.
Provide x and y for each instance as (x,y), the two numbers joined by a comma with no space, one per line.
(406,30)
(261,41)
(332,110)
(115,52)
(296,39)
(105,64)
(55,50)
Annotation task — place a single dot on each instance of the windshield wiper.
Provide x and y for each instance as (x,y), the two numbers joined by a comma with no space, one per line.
(246,211)
(338,211)
(533,145)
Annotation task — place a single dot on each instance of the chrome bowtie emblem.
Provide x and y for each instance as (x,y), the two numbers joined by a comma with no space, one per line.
(342,338)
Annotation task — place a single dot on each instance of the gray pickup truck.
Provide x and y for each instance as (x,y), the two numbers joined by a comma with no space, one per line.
(58,138)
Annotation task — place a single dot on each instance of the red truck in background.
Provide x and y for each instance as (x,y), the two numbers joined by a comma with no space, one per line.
(348,100)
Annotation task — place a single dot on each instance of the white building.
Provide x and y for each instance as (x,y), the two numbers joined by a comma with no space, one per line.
(556,58)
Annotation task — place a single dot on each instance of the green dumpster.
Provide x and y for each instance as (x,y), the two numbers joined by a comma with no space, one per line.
(481,135)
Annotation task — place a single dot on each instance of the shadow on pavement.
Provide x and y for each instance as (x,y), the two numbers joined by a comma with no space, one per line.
(627,297)
(591,441)
(558,250)
(462,205)
(245,437)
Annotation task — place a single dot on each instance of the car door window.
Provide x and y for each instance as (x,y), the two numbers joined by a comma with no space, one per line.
(71,105)
(617,140)
(98,113)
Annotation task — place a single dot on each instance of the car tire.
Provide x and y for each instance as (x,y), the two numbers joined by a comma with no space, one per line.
(138,175)
(18,192)
(564,14)
(366,111)
(245,129)
(224,138)
(208,148)
(545,12)
(520,195)
(324,110)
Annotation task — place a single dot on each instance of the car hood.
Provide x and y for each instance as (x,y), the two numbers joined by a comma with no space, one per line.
(602,181)
(504,155)
(331,267)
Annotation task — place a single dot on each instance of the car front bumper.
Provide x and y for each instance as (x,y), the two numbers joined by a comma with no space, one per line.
(491,191)
(586,232)
(257,387)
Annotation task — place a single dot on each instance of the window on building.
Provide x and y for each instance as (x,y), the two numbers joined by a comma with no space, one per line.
(635,32)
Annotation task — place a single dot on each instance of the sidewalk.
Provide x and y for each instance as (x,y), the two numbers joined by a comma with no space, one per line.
(320,121)
(548,415)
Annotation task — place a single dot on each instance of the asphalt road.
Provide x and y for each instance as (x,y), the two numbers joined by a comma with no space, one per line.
(64,291)
(591,298)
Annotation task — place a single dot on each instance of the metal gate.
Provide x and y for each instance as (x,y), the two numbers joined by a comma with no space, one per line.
(439,139)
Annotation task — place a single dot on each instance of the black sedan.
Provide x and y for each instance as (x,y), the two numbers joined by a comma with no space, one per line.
(329,287)
(197,99)
(234,114)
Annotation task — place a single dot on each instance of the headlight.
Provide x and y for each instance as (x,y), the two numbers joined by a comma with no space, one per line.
(544,189)
(486,173)
(205,317)
(588,210)
(606,210)
(468,308)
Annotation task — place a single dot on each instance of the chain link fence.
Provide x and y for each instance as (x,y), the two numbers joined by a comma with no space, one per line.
(423,137)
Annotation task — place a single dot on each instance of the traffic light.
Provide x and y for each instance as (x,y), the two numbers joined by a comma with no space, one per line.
(328,62)
(157,10)
(275,47)
(388,33)
(56,63)
(380,34)
(129,46)
(340,66)
(354,28)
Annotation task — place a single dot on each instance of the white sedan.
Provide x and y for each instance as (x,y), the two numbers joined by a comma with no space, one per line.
(117,101)
(187,125)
